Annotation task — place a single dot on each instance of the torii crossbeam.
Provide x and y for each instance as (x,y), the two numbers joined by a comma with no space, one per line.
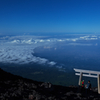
(88,73)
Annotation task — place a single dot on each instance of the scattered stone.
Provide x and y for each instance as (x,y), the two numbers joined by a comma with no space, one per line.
(13,87)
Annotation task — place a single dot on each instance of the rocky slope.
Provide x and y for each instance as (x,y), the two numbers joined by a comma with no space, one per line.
(14,87)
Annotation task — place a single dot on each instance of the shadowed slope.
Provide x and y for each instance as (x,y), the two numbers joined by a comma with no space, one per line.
(14,87)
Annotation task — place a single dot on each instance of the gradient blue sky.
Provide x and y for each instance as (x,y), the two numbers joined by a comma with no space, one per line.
(49,16)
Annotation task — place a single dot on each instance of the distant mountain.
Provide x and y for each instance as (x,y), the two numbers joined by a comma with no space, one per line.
(14,87)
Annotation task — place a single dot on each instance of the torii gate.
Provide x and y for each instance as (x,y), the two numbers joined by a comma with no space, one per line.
(88,73)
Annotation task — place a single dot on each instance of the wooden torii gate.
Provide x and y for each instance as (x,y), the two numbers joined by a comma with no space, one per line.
(88,73)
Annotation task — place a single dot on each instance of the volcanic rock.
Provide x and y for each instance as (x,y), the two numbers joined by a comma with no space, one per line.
(13,87)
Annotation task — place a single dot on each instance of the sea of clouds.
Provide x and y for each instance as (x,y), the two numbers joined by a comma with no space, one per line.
(20,49)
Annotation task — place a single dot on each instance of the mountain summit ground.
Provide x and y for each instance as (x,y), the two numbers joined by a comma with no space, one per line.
(13,87)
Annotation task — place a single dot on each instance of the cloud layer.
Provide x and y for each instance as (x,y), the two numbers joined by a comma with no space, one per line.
(20,49)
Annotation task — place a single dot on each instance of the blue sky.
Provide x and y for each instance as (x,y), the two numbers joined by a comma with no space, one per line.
(49,16)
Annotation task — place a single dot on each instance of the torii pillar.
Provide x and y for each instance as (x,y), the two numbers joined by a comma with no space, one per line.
(80,78)
(99,83)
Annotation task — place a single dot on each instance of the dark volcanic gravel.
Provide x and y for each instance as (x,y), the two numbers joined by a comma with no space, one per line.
(14,87)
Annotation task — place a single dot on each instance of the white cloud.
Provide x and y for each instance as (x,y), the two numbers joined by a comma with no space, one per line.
(41,40)
(48,40)
(74,39)
(60,40)
(15,41)
(52,63)
(94,36)
(20,49)
(79,44)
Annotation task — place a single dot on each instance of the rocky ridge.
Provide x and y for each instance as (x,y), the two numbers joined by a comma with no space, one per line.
(13,87)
